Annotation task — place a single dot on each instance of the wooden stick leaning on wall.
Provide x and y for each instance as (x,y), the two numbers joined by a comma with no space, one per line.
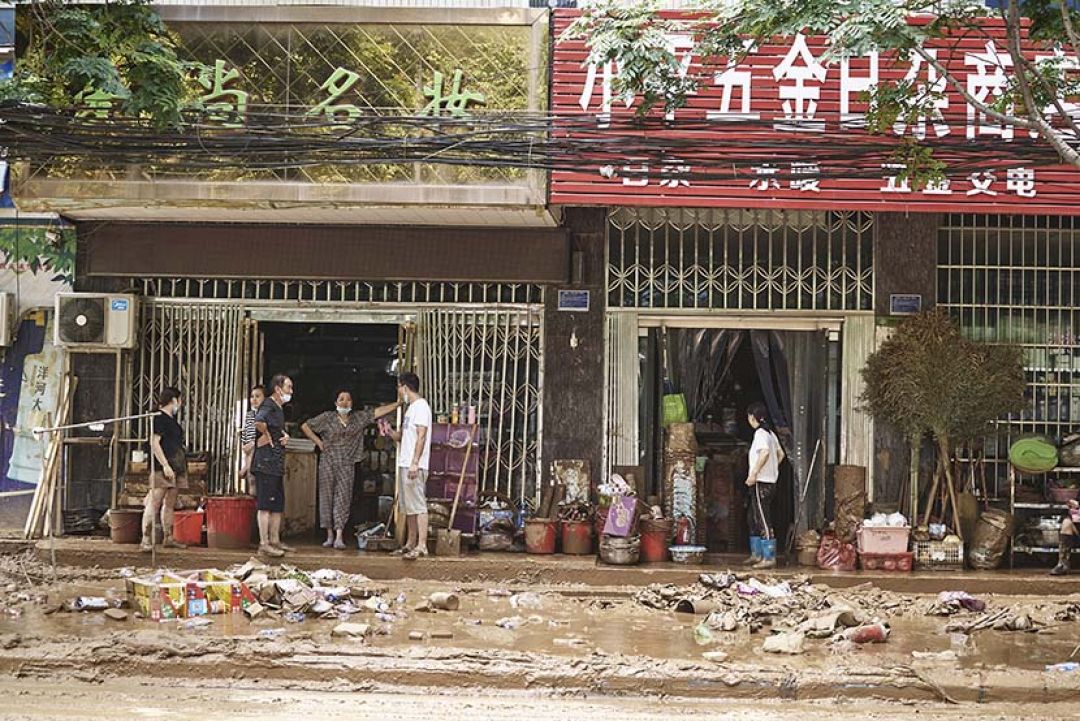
(44,496)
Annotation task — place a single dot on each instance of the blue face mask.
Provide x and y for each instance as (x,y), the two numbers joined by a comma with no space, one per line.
(343,411)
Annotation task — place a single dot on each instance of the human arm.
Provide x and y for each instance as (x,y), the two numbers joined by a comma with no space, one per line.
(312,436)
(755,468)
(385,410)
(159,455)
(418,451)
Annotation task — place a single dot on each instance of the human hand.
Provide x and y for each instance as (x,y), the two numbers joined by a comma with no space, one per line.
(284,440)
(414,471)
(751,481)
(320,445)
(169,473)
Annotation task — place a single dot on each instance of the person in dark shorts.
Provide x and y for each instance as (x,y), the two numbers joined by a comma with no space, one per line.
(268,466)
(169,471)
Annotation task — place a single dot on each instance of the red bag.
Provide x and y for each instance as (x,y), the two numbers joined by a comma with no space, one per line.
(835,555)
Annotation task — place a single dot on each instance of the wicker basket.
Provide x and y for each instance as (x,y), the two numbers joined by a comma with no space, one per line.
(938,556)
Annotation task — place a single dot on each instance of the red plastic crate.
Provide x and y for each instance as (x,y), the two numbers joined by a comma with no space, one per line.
(888,562)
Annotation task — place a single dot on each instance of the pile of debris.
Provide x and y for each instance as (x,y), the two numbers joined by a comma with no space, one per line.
(293,595)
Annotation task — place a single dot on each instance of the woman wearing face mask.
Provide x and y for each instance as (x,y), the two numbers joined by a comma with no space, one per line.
(339,436)
(248,436)
(170,471)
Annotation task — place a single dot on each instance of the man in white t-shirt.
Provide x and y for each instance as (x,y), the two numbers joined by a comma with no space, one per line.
(414,452)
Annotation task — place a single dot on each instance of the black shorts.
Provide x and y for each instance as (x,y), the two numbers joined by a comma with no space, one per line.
(269,493)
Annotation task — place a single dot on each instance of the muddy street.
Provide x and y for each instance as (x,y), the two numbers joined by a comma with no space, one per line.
(545,640)
(35,700)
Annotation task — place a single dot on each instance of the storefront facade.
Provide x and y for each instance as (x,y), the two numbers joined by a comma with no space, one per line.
(763,209)
(429,267)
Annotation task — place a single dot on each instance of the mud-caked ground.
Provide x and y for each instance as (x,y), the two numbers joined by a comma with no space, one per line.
(711,641)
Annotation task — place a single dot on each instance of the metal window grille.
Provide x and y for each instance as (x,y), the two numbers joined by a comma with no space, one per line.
(740,259)
(1016,279)
(338,291)
(198,348)
(491,359)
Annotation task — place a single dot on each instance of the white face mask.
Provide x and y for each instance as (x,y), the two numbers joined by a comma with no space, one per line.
(286,397)
(342,410)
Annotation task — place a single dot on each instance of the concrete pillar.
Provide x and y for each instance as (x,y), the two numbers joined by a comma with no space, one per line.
(905,262)
(574,353)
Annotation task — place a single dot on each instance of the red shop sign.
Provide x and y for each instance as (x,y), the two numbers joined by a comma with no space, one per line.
(784,128)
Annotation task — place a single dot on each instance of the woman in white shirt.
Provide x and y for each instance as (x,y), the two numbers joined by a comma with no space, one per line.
(764,462)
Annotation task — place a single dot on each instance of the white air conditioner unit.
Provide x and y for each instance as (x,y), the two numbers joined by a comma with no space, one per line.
(7,319)
(96,320)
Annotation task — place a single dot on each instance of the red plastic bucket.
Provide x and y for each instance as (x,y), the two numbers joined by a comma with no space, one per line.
(229,520)
(577,538)
(655,540)
(187,527)
(540,534)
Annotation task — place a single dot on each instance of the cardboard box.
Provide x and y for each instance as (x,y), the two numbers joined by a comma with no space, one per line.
(183,594)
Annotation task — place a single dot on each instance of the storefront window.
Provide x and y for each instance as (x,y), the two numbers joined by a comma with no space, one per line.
(1016,279)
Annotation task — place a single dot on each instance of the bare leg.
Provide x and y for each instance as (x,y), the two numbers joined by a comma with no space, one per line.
(422,532)
(413,530)
(151,505)
(275,529)
(264,528)
(168,512)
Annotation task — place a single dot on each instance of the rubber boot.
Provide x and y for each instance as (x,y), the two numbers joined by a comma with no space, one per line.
(768,554)
(755,551)
(1064,551)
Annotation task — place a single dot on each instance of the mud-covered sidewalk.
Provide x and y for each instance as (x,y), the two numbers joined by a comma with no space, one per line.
(563,639)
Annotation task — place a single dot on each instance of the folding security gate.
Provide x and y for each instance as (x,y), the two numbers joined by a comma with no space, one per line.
(490,358)
(201,349)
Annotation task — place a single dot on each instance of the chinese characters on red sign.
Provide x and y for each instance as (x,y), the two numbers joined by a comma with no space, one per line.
(783,126)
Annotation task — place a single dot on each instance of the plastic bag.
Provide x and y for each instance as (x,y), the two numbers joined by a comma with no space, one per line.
(835,555)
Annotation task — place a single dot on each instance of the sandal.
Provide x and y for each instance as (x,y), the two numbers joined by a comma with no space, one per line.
(340,545)
(401,551)
(415,554)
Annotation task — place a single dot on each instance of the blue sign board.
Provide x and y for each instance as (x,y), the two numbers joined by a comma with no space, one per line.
(574,300)
(904,304)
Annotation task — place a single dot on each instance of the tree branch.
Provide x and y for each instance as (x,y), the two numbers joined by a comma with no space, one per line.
(1070,29)
(971,99)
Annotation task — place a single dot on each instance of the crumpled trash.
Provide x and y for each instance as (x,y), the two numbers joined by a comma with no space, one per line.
(870,633)
(351,630)
(195,623)
(881,520)
(271,633)
(950,602)
(295,617)
(529,601)
(510,623)
(753,587)
(719,581)
(325,575)
(791,644)
(1022,622)
(825,623)
(1067,667)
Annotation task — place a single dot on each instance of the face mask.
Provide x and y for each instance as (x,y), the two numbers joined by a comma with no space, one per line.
(342,410)
(176,409)
(286,397)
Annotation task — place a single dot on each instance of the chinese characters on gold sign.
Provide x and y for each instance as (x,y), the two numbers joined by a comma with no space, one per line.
(226,105)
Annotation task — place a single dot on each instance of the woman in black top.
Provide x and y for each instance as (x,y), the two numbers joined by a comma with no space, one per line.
(170,470)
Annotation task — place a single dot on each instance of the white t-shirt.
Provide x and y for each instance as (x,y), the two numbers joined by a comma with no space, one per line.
(417,416)
(767,442)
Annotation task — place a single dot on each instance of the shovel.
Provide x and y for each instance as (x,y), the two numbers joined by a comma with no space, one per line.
(448,541)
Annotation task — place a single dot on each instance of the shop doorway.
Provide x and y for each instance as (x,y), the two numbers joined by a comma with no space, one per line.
(322,359)
(717,373)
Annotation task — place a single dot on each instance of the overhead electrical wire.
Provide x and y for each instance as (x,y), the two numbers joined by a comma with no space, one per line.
(273,140)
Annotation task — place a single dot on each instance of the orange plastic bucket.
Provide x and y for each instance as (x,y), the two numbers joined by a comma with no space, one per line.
(577,538)
(187,527)
(540,534)
(229,520)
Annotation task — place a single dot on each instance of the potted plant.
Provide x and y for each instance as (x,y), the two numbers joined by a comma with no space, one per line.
(929,380)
